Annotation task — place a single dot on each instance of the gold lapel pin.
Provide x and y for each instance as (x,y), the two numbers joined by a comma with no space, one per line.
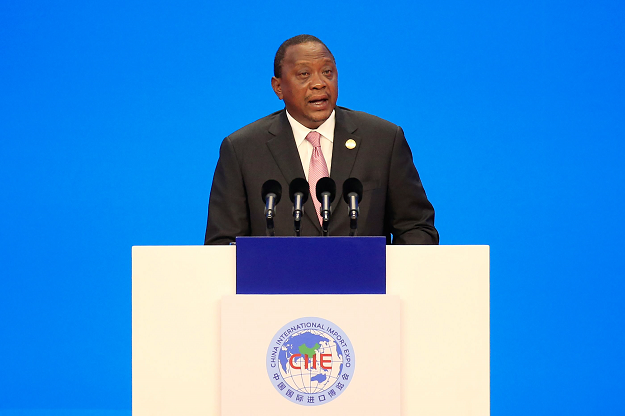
(350,144)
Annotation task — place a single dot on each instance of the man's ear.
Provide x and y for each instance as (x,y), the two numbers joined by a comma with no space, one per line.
(277,86)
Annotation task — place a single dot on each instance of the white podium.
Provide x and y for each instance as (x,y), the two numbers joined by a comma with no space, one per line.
(443,294)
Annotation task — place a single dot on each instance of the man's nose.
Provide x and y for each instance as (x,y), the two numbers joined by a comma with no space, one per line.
(317,82)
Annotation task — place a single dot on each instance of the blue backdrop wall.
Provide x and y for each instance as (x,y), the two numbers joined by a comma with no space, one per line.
(111,115)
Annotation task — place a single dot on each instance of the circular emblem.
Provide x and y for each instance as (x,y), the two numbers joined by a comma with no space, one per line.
(310,361)
(350,144)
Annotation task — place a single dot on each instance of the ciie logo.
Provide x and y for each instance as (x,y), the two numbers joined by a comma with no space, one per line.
(310,361)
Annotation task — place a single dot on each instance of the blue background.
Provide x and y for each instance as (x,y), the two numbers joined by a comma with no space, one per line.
(111,115)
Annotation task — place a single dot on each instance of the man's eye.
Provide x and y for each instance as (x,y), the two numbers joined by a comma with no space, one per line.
(303,74)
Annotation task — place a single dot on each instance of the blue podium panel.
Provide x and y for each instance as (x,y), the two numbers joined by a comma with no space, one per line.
(311,265)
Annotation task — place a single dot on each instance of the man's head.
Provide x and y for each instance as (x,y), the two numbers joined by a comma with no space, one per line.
(305,77)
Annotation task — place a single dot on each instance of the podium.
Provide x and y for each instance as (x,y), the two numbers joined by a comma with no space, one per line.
(181,296)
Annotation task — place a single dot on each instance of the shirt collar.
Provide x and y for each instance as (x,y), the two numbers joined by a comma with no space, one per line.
(300,131)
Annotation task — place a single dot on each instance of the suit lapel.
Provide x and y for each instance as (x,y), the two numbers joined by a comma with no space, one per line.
(343,158)
(284,152)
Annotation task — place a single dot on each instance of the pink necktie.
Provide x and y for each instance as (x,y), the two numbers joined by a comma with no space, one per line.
(317,169)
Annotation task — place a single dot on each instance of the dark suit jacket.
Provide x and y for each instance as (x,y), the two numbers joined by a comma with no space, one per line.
(393,201)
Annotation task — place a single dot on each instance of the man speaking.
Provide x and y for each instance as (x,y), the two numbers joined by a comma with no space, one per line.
(313,138)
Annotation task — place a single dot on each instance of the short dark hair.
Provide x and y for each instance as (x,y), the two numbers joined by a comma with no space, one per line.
(295,40)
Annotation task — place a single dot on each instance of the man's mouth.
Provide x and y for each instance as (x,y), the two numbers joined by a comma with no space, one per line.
(318,102)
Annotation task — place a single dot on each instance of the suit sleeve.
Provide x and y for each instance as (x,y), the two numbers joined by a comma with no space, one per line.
(410,216)
(228,209)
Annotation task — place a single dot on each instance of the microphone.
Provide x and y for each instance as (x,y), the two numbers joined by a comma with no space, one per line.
(352,194)
(271,193)
(326,191)
(298,193)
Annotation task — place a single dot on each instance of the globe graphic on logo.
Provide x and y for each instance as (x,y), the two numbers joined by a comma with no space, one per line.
(310,361)
(318,356)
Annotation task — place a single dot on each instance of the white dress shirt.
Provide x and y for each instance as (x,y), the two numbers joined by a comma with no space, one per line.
(305,148)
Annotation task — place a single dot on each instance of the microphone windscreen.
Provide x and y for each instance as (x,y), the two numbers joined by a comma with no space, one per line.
(299,185)
(352,185)
(326,184)
(272,187)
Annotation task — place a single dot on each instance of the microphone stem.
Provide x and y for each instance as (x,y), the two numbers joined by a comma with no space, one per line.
(325,212)
(353,214)
(297,213)
(269,213)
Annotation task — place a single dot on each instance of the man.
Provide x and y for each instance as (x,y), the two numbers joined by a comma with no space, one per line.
(312,138)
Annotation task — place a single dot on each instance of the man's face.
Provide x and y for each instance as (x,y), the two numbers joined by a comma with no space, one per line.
(308,84)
